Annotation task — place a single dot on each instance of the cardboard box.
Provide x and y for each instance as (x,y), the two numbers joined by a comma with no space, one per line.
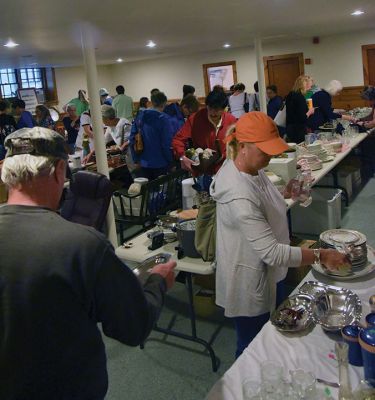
(204,303)
(286,168)
(295,275)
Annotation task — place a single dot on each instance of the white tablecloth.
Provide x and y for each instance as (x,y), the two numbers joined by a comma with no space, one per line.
(139,252)
(312,351)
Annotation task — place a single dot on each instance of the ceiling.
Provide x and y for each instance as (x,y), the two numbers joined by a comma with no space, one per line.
(48,32)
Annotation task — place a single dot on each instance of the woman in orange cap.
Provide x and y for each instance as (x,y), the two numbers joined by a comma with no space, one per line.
(252,243)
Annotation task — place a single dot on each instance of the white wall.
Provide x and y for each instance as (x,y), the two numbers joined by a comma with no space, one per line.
(336,57)
(70,80)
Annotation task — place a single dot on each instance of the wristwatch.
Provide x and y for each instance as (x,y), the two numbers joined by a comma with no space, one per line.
(316,256)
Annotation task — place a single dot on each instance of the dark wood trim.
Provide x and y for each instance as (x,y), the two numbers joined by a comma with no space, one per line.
(205,76)
(366,76)
(49,84)
(282,57)
(349,98)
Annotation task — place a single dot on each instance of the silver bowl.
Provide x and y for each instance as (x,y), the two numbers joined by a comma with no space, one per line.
(143,270)
(298,304)
(332,307)
(336,308)
(312,288)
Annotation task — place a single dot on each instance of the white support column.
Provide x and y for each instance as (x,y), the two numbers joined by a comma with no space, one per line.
(89,58)
(260,73)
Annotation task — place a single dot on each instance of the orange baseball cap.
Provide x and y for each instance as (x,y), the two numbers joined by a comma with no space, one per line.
(256,127)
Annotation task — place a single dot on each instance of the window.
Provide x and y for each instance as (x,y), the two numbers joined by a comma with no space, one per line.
(42,79)
(8,83)
(31,78)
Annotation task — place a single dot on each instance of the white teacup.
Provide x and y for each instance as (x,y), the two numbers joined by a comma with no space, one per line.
(76,161)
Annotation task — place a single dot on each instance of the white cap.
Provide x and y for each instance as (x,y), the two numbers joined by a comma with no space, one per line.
(103,92)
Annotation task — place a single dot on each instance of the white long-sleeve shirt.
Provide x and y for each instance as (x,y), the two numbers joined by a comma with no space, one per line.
(252,241)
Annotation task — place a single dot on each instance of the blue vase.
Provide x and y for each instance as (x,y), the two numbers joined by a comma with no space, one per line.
(367,342)
(350,335)
(370,319)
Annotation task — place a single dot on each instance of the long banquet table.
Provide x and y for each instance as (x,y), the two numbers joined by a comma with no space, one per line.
(311,351)
(328,166)
(194,266)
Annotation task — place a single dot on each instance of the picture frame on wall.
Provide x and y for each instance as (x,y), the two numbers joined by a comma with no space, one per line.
(222,73)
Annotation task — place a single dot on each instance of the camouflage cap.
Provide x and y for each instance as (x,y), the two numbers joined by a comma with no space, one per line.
(37,142)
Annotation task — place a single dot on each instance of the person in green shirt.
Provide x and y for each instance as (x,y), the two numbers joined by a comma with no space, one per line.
(81,102)
(123,104)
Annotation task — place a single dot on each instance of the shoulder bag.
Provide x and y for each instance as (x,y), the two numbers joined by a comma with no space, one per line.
(138,140)
(280,118)
(205,231)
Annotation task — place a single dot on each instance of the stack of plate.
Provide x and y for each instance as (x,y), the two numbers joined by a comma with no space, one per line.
(318,150)
(333,147)
(348,240)
(313,161)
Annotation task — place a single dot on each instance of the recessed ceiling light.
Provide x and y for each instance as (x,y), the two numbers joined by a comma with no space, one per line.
(357,12)
(119,60)
(10,43)
(226,45)
(151,44)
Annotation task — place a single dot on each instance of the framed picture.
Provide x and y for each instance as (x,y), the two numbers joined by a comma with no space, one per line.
(30,98)
(223,74)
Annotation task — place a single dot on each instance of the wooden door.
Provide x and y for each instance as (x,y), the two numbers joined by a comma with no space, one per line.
(282,71)
(368,58)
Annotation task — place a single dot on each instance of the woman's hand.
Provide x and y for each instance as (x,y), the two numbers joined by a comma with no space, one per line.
(88,157)
(310,112)
(333,259)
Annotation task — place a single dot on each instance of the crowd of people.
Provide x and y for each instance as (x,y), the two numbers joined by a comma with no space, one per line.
(59,301)
(21,119)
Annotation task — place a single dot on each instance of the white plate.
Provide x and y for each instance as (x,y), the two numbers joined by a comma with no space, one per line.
(355,274)
(328,159)
(347,236)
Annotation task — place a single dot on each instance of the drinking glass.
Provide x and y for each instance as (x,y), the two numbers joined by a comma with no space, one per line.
(304,384)
(251,390)
(271,374)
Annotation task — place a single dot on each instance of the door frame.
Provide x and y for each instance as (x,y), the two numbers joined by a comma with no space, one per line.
(366,78)
(281,57)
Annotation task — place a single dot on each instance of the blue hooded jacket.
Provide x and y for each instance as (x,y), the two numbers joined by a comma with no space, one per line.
(157,133)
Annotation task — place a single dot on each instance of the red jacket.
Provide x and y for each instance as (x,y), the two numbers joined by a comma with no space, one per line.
(202,133)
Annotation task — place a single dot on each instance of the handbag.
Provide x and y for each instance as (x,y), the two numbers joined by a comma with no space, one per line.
(138,140)
(280,118)
(246,103)
(205,231)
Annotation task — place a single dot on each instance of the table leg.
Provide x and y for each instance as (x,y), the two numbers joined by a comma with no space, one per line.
(193,337)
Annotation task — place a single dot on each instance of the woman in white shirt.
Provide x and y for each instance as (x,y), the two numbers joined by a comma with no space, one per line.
(252,244)
(239,101)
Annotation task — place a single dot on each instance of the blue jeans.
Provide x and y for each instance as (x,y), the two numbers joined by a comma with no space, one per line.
(248,327)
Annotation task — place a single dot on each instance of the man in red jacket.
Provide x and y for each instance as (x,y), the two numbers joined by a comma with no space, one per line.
(203,128)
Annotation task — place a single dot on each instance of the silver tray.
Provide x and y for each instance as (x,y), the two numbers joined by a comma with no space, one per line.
(367,269)
(333,307)
(143,270)
(296,302)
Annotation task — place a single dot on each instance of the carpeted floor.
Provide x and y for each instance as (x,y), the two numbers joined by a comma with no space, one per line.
(173,369)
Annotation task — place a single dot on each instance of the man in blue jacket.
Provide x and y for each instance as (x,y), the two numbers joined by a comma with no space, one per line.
(25,117)
(157,132)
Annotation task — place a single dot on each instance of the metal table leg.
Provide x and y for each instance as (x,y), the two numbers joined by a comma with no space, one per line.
(193,337)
